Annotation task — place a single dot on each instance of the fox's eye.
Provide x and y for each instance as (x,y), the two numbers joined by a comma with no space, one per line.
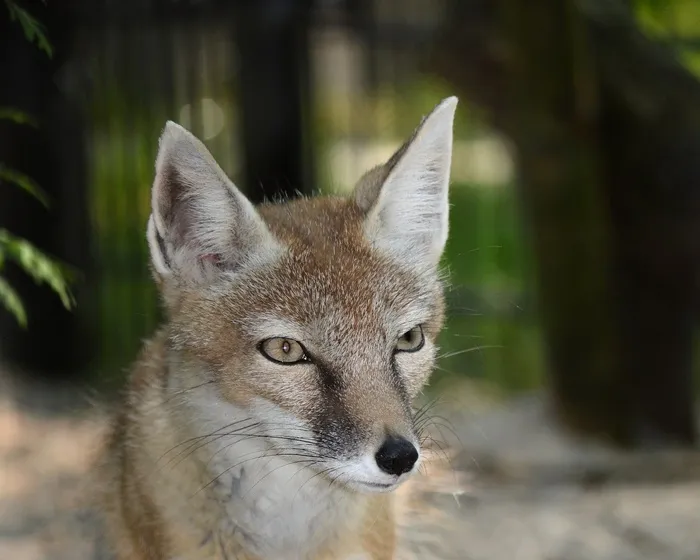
(283,350)
(411,341)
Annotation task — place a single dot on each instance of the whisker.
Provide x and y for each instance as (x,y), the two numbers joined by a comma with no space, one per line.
(201,441)
(442,422)
(198,438)
(467,350)
(281,466)
(215,436)
(311,457)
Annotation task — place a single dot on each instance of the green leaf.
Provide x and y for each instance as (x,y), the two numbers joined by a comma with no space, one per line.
(42,268)
(33,29)
(17,116)
(24,182)
(11,301)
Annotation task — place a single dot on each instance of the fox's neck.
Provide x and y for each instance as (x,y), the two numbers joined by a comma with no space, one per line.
(274,502)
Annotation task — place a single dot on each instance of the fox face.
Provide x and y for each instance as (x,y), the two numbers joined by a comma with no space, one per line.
(315,319)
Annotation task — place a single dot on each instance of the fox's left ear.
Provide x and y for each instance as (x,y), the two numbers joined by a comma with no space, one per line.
(405,200)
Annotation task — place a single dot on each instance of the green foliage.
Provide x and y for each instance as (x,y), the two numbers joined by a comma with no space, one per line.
(17,116)
(42,268)
(675,22)
(492,332)
(11,301)
(26,183)
(34,30)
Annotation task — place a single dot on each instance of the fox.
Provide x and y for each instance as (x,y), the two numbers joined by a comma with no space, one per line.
(271,416)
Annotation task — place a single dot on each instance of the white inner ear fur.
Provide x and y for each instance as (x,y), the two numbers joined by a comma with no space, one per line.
(409,218)
(200,222)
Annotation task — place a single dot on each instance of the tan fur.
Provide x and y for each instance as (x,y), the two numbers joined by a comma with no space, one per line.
(219,453)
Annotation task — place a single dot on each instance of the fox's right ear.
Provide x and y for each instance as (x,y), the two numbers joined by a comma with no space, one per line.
(200,225)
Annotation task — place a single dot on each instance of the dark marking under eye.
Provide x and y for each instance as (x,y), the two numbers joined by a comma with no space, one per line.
(331,381)
(399,383)
(332,414)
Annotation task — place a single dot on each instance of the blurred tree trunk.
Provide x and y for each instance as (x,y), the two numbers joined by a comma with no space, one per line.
(57,344)
(273,65)
(606,125)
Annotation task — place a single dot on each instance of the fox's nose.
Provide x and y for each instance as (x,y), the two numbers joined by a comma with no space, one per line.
(396,455)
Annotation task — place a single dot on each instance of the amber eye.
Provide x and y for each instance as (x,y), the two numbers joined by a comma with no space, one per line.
(411,341)
(283,350)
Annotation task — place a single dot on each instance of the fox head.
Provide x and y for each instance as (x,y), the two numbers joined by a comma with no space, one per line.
(315,318)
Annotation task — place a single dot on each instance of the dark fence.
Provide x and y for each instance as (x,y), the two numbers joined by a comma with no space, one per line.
(262,82)
(291,97)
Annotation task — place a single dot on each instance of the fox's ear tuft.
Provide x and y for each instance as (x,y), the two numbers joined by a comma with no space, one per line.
(200,223)
(406,200)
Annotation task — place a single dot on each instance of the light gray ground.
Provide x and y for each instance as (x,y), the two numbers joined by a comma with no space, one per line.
(515,488)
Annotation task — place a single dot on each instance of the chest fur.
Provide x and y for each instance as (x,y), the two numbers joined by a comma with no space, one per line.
(279,508)
(273,503)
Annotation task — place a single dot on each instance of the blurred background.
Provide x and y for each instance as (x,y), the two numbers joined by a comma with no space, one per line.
(575,222)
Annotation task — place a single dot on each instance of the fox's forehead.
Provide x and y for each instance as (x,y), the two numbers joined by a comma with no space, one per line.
(330,298)
(322,223)
(330,279)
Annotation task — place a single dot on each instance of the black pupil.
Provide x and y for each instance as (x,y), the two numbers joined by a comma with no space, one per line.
(408,337)
(286,347)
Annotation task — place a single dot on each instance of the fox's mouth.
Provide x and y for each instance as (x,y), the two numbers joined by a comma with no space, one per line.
(366,486)
(382,470)
(375,484)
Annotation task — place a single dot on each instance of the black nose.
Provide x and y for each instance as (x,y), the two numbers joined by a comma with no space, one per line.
(396,455)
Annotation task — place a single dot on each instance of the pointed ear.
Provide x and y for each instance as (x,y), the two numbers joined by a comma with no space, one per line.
(405,201)
(200,223)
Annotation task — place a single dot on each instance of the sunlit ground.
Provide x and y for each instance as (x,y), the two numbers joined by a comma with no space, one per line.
(514,489)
